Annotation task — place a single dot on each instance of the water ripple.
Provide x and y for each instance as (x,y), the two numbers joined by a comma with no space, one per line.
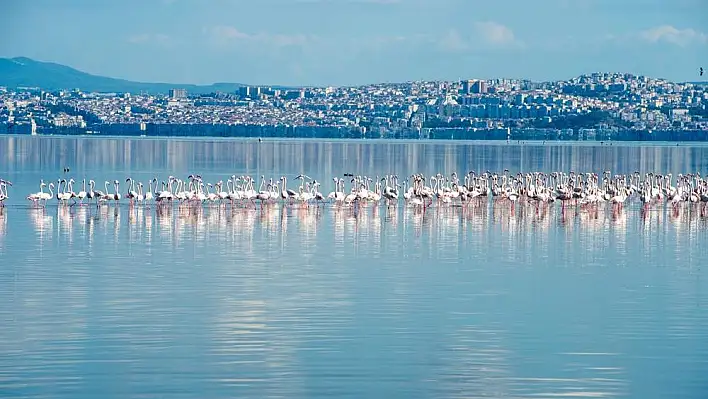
(447,303)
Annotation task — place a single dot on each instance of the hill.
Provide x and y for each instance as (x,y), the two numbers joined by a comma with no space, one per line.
(26,72)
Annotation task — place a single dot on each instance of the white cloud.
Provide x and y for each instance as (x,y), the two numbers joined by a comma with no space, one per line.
(494,33)
(673,35)
(230,35)
(352,1)
(484,35)
(576,4)
(452,42)
(151,38)
(226,33)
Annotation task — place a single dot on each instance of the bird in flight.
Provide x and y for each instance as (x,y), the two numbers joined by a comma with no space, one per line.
(701,71)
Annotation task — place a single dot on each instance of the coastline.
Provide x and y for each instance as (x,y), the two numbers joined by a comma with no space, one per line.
(339,133)
(382,141)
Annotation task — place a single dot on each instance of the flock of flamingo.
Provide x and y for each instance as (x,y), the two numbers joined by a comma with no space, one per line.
(417,190)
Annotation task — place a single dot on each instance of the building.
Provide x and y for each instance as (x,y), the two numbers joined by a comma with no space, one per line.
(178,93)
(679,114)
(479,87)
(467,86)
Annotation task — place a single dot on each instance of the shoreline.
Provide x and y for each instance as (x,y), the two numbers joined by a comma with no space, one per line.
(386,141)
(270,132)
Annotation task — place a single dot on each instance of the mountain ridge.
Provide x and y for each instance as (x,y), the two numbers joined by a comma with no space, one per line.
(26,72)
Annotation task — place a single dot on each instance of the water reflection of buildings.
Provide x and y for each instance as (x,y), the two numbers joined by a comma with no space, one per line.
(324,160)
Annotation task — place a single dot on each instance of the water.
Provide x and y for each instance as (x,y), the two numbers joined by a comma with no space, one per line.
(299,303)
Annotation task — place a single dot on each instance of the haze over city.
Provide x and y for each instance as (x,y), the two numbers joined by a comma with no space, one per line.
(350,42)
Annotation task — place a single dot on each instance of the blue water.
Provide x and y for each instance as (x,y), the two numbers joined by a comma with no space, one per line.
(306,303)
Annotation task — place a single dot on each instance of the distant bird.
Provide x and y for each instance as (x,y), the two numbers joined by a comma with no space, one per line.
(701,71)
(66,169)
(259,139)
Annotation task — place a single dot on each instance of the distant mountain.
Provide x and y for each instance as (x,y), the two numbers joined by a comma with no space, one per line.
(26,72)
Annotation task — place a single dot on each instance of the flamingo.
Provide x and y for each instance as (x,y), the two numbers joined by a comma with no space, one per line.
(148,194)
(64,196)
(287,193)
(3,191)
(40,195)
(131,194)
(81,195)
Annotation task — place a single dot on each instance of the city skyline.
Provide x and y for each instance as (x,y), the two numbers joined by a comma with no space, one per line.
(591,107)
(355,42)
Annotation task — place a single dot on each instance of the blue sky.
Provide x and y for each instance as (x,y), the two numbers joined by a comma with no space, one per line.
(340,42)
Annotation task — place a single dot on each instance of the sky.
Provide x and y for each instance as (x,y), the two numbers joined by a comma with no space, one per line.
(352,42)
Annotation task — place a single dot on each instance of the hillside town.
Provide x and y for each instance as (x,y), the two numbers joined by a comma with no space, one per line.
(599,106)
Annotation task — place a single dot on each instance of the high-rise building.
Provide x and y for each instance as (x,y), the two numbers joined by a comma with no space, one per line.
(244,92)
(178,93)
(479,87)
(251,92)
(467,86)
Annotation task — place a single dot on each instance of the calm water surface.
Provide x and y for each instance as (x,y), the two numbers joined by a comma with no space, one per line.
(298,303)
